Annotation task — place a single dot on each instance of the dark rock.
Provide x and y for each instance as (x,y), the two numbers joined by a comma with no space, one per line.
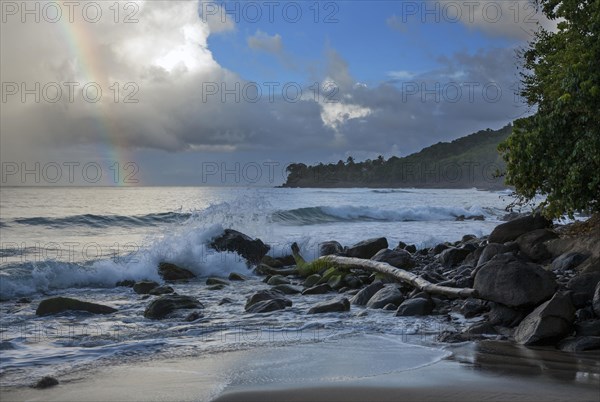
(468,246)
(161,290)
(439,248)
(532,244)
(568,261)
(511,230)
(596,301)
(287,260)
(390,307)
(266,306)
(236,277)
(263,295)
(216,281)
(481,328)
(505,279)
(193,316)
(164,305)
(490,251)
(586,313)
(367,248)
(473,307)
(583,287)
(468,237)
(364,295)
(172,272)
(277,280)
(225,300)
(548,323)
(55,305)
(388,294)
(401,245)
(46,382)
(396,258)
(588,328)
(127,283)
(312,280)
(411,248)
(317,289)
(352,281)
(330,306)
(218,286)
(23,300)
(272,262)
(580,344)
(453,256)
(232,240)
(144,287)
(456,337)
(505,316)
(287,289)
(330,248)
(415,307)
(336,282)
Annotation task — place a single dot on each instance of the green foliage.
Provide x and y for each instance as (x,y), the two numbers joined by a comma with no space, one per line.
(556,152)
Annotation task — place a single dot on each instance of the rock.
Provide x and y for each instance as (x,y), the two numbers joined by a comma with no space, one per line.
(193,316)
(330,248)
(588,328)
(287,289)
(481,328)
(225,300)
(164,305)
(586,313)
(367,248)
(468,237)
(396,258)
(453,256)
(236,277)
(55,305)
(363,297)
(415,307)
(263,295)
(272,262)
(505,316)
(532,244)
(490,251)
(23,300)
(548,323)
(317,289)
(216,281)
(144,287)
(286,260)
(512,229)
(411,248)
(218,286)
(232,240)
(161,290)
(473,307)
(172,272)
(278,280)
(335,282)
(439,248)
(386,295)
(390,307)
(266,306)
(580,344)
(401,246)
(583,287)
(596,300)
(507,280)
(352,281)
(568,261)
(336,305)
(312,280)
(46,382)
(456,337)
(127,283)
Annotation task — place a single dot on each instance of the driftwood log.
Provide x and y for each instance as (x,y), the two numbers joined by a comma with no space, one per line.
(400,275)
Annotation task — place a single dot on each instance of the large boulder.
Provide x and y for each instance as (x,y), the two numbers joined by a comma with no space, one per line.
(388,294)
(511,230)
(172,272)
(548,323)
(367,248)
(161,290)
(164,305)
(596,300)
(507,280)
(532,244)
(568,261)
(330,306)
(263,295)
(252,250)
(580,344)
(396,258)
(415,307)
(317,289)
(489,252)
(55,305)
(266,306)
(453,256)
(287,289)
(144,287)
(583,287)
(330,248)
(365,294)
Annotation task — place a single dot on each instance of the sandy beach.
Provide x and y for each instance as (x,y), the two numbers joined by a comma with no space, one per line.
(364,368)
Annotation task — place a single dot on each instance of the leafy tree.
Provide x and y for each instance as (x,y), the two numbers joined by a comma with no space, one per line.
(556,152)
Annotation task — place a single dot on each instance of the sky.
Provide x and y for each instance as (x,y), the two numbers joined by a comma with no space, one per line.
(232,92)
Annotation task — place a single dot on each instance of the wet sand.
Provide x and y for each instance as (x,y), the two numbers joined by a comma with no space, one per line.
(369,368)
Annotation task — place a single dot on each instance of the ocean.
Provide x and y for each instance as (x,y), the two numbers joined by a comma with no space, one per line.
(78,242)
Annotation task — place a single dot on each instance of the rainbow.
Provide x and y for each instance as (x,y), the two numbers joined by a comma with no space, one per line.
(112,152)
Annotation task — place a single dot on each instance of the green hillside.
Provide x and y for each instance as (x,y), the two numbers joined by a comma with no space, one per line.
(466,162)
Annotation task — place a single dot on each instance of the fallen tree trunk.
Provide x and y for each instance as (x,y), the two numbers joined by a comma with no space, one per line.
(401,275)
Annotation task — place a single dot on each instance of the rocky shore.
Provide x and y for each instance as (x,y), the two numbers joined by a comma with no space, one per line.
(528,282)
